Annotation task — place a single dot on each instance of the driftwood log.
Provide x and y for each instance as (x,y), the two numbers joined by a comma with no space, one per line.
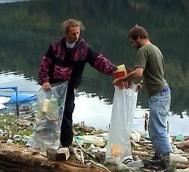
(184,144)
(14,158)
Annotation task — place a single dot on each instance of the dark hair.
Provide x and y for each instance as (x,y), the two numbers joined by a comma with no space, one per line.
(138,32)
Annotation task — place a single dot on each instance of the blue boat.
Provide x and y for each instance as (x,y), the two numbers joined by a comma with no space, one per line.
(22,98)
(15,99)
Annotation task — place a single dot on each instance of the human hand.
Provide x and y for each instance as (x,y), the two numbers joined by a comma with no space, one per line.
(122,84)
(118,81)
(46,85)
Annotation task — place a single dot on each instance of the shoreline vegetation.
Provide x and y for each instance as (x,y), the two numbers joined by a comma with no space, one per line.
(88,155)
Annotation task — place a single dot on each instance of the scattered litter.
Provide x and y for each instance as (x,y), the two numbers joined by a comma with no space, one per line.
(179,137)
(90,145)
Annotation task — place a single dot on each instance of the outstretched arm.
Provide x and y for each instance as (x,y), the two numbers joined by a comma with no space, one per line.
(100,62)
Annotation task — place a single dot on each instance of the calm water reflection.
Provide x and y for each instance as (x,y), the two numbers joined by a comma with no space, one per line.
(27,28)
(91,109)
(95,112)
(23,84)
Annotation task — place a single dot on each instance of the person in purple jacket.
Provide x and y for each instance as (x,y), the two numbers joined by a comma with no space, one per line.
(64,61)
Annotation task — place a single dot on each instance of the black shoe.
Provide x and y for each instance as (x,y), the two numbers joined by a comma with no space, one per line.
(166,163)
(159,162)
(153,163)
(156,160)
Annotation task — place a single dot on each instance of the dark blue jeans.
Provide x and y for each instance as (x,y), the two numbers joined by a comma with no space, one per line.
(66,135)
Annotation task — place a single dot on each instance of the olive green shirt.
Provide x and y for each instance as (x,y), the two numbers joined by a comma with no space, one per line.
(150,58)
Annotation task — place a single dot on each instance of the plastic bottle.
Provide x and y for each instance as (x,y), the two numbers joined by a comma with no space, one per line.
(53,109)
(45,105)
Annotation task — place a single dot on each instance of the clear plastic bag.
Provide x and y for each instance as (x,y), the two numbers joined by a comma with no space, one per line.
(50,107)
(124,105)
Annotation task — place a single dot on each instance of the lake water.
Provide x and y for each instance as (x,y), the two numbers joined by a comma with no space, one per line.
(93,111)
(27,28)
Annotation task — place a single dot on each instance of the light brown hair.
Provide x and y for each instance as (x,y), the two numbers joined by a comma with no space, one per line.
(71,23)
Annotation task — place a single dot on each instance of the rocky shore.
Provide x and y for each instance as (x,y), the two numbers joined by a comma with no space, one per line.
(87,152)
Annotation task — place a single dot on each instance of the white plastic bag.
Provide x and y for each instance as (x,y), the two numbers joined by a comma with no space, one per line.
(124,105)
(46,131)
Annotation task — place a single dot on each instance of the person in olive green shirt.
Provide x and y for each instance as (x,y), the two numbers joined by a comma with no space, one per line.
(149,67)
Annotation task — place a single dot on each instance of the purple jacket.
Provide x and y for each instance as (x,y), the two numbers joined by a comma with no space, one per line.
(61,63)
